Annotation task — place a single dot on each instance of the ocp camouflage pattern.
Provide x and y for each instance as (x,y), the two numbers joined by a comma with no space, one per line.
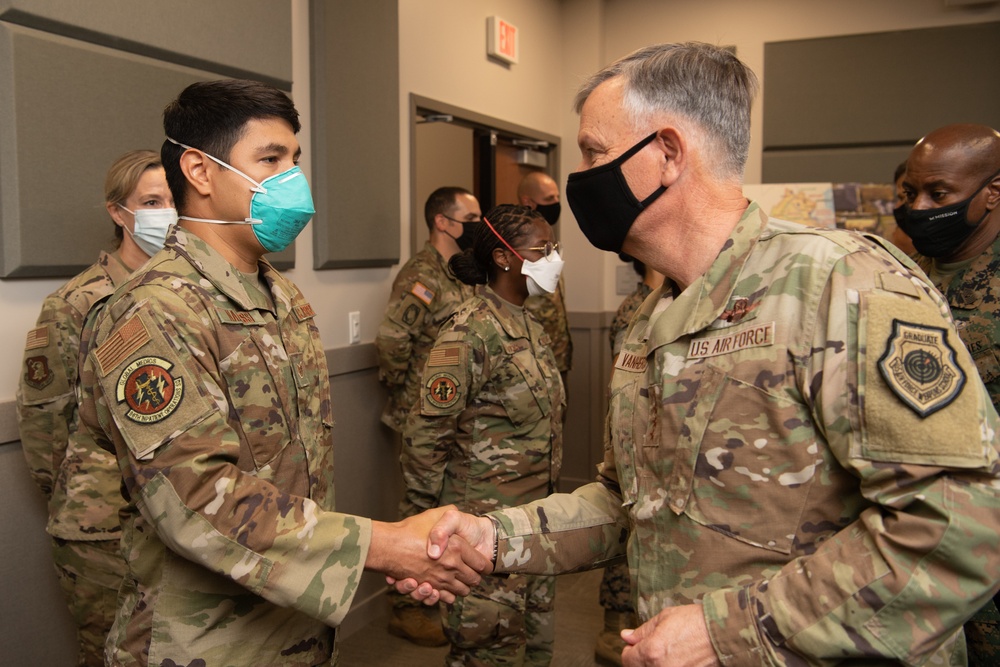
(216,398)
(767,457)
(424,295)
(550,311)
(80,480)
(487,433)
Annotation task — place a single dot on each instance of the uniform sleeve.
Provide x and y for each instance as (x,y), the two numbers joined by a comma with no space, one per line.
(408,308)
(159,385)
(46,402)
(898,400)
(451,380)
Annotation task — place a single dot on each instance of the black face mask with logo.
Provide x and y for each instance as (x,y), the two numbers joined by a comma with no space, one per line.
(939,232)
(603,203)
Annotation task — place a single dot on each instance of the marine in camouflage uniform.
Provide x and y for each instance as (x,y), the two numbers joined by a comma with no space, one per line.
(799,443)
(487,433)
(80,480)
(972,290)
(424,295)
(214,390)
(550,311)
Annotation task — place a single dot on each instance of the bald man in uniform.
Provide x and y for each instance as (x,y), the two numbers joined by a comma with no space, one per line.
(951,190)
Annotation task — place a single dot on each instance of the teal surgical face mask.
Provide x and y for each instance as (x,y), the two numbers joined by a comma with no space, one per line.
(280,207)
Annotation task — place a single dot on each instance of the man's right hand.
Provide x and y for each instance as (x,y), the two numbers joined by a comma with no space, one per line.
(478,531)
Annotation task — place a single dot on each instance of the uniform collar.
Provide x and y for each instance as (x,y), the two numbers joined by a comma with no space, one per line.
(113,265)
(705,299)
(217,270)
(513,323)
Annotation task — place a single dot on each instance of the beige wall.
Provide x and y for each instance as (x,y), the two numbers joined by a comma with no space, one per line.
(442,56)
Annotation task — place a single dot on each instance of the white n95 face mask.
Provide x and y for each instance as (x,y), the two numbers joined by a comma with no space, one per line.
(151,227)
(543,274)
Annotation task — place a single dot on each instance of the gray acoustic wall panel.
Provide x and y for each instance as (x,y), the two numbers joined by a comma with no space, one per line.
(355,132)
(73,101)
(860,94)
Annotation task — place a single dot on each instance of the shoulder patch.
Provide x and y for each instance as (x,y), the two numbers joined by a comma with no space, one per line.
(919,366)
(150,391)
(37,337)
(127,339)
(421,291)
(443,390)
(37,373)
(445,355)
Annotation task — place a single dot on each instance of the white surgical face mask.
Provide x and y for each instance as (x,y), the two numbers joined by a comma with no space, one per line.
(543,274)
(151,227)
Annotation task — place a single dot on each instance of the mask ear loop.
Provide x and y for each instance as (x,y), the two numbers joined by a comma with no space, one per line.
(501,238)
(257,187)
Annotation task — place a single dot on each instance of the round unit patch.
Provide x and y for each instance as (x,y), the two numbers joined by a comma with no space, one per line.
(442,390)
(150,391)
(919,366)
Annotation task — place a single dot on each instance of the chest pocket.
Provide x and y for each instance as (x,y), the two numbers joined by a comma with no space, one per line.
(743,452)
(258,397)
(631,423)
(521,385)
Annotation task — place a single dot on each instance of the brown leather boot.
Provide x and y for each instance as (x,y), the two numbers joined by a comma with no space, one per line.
(608,650)
(420,625)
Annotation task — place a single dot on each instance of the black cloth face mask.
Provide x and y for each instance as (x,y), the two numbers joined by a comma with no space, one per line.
(603,203)
(550,212)
(938,232)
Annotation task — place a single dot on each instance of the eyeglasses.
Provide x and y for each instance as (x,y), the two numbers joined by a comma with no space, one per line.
(546,249)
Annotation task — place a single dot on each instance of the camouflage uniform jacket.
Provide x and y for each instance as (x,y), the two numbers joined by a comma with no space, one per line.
(550,310)
(424,295)
(80,480)
(624,315)
(487,431)
(803,446)
(217,401)
(974,297)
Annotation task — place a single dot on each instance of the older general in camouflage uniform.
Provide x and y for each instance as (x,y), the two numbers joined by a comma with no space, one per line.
(948,166)
(487,433)
(210,381)
(79,479)
(801,463)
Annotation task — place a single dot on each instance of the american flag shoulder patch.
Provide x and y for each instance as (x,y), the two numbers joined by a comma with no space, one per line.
(420,291)
(127,339)
(37,337)
(450,355)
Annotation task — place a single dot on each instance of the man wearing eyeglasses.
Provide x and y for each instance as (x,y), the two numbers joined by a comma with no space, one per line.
(424,295)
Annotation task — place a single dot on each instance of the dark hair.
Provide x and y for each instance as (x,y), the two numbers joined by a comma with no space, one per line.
(442,201)
(475,266)
(212,116)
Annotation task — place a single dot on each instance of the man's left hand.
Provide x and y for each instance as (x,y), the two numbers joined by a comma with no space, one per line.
(677,636)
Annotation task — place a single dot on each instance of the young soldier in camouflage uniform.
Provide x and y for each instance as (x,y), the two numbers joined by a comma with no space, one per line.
(538,191)
(424,295)
(487,431)
(79,479)
(209,378)
(951,189)
(801,464)
(615,593)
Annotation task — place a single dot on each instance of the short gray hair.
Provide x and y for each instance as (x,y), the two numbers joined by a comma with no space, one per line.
(706,84)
